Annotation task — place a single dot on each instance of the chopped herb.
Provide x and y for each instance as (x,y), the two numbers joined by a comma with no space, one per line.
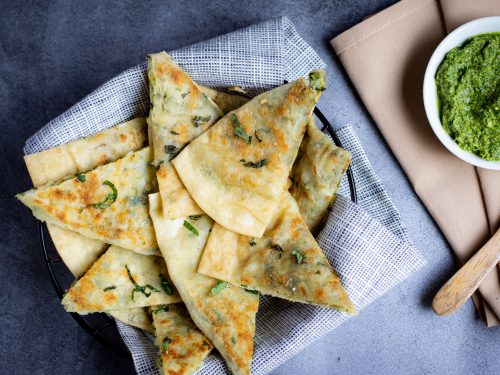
(318,272)
(110,198)
(163,102)
(189,226)
(109,288)
(221,285)
(178,88)
(165,285)
(251,291)
(298,256)
(161,309)
(159,362)
(173,132)
(81,177)
(165,343)
(252,242)
(198,120)
(317,81)
(185,94)
(195,217)
(158,164)
(277,248)
(238,129)
(171,149)
(205,343)
(233,340)
(257,136)
(138,288)
(251,164)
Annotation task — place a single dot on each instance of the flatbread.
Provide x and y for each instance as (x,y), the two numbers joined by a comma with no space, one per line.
(137,316)
(54,165)
(48,167)
(179,112)
(107,285)
(226,102)
(183,347)
(227,317)
(287,262)
(237,170)
(59,163)
(316,175)
(77,252)
(107,204)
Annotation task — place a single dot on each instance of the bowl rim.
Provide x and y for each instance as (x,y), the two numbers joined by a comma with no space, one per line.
(452,40)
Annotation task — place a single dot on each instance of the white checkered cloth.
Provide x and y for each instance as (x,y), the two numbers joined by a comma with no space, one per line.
(367,244)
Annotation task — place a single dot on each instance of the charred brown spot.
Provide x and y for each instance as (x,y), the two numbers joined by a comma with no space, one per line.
(319,294)
(87,191)
(110,299)
(281,279)
(295,222)
(56,193)
(61,216)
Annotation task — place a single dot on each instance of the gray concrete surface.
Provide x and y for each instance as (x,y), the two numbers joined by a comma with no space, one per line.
(54,53)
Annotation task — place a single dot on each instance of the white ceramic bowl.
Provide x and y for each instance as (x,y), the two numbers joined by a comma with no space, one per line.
(454,39)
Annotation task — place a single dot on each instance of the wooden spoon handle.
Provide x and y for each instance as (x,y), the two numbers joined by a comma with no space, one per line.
(464,283)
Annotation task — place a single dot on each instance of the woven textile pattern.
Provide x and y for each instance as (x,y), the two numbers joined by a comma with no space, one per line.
(257,58)
(367,244)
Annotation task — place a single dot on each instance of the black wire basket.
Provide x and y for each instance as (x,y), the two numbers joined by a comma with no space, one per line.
(102,327)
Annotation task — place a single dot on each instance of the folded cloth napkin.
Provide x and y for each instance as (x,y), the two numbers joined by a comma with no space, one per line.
(367,243)
(385,56)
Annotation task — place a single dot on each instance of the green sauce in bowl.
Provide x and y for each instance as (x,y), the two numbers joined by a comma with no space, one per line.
(468,91)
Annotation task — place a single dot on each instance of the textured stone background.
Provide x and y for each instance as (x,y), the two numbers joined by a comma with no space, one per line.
(52,54)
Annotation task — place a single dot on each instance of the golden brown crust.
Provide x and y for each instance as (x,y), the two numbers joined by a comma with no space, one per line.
(183,347)
(179,113)
(286,262)
(56,164)
(85,206)
(107,285)
(316,175)
(238,169)
(227,318)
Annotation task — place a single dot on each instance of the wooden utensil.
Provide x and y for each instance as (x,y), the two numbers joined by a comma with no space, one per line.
(460,287)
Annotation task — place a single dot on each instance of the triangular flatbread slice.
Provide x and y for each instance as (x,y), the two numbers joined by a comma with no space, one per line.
(237,170)
(137,317)
(121,279)
(47,167)
(316,175)
(286,262)
(223,312)
(179,112)
(226,102)
(107,204)
(183,347)
(59,163)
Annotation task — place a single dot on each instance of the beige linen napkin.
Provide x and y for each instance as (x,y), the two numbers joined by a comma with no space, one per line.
(385,56)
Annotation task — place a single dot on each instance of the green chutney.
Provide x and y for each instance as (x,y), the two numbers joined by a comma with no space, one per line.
(468,90)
